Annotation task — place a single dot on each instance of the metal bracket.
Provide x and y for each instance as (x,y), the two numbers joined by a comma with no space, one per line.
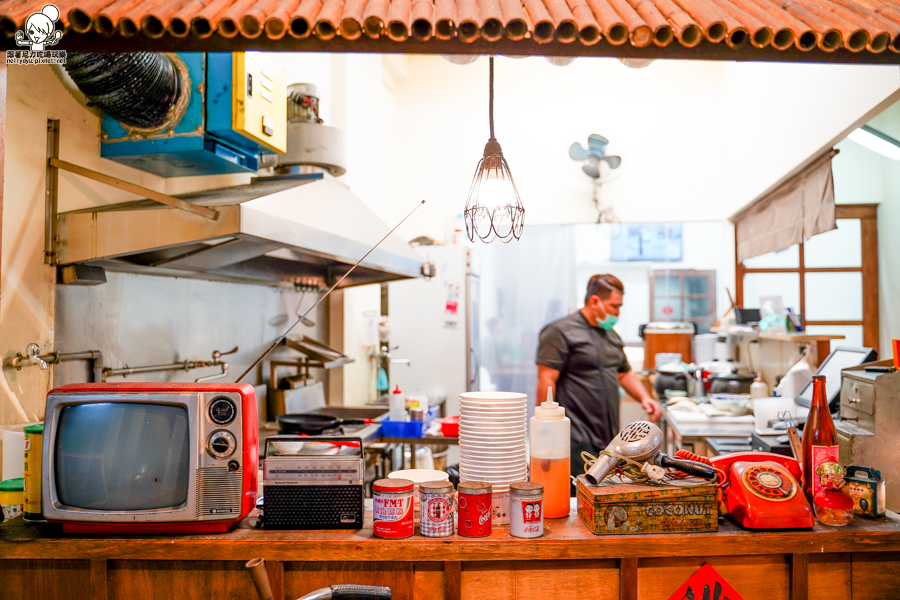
(51,194)
(203,211)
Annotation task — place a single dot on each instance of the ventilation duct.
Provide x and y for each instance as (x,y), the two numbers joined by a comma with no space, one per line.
(141,90)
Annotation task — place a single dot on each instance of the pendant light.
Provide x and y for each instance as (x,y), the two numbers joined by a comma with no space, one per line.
(493,209)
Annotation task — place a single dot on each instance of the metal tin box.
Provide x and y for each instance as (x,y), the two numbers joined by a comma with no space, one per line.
(614,507)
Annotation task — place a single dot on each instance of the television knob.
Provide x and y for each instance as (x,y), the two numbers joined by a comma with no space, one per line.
(221,444)
(222,411)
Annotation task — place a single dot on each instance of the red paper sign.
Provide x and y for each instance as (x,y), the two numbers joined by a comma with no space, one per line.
(705,584)
(667,310)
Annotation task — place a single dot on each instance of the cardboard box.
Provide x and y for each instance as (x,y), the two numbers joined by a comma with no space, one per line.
(614,507)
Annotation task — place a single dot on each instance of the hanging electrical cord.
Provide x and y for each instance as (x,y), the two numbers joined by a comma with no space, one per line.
(141,90)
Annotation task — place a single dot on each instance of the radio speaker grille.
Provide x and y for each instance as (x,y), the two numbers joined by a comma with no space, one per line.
(219,492)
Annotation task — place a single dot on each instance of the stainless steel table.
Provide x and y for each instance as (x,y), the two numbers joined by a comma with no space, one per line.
(692,436)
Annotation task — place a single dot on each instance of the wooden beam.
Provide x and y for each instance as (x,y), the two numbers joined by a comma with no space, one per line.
(275,571)
(869,234)
(799,576)
(94,42)
(855,211)
(3,72)
(99,589)
(452,580)
(203,211)
(628,583)
(739,271)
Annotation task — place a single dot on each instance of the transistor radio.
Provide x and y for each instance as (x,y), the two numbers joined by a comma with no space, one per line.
(313,482)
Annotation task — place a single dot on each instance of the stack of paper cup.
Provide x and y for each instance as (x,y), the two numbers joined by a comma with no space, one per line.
(492,434)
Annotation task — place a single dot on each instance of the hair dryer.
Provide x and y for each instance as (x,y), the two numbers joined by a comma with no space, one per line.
(641,441)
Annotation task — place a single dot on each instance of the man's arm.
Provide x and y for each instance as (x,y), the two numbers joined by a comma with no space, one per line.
(546,378)
(636,389)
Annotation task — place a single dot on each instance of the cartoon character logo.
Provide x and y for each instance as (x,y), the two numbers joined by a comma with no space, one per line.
(831,475)
(40,29)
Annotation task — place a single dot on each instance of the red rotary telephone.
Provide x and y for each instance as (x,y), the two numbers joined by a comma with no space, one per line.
(761,491)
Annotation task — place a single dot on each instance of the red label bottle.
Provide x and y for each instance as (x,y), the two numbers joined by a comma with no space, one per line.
(820,443)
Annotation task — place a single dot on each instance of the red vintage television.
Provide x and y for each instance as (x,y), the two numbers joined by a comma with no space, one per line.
(150,457)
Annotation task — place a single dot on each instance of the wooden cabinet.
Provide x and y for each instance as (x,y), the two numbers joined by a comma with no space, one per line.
(859,561)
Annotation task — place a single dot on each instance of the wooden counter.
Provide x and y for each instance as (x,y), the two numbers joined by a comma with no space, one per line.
(859,561)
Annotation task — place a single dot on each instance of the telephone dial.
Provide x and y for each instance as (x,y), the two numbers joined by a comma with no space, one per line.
(761,491)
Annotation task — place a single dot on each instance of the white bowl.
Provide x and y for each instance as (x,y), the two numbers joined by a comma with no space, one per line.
(506,430)
(507,475)
(495,404)
(493,396)
(420,475)
(483,445)
(511,474)
(488,407)
(492,480)
(492,463)
(486,456)
(490,418)
(505,424)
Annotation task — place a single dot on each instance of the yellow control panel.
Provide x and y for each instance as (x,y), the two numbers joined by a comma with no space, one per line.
(259,103)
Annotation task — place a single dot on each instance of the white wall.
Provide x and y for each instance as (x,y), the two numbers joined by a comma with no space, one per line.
(700,140)
(862,176)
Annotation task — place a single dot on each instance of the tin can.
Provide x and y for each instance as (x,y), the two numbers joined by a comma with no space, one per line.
(11,498)
(526,510)
(866,487)
(474,512)
(34,441)
(436,508)
(392,508)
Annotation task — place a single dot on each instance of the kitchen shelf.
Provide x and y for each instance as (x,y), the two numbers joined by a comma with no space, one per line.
(799,336)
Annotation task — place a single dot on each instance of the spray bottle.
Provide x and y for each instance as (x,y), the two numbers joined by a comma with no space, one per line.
(549,439)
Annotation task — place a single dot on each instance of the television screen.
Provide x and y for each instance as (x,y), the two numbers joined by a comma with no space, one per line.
(122,456)
(646,241)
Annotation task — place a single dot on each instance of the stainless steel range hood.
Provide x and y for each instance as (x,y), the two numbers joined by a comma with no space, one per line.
(281,232)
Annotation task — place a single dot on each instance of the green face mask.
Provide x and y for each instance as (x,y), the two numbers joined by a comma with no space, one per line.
(607,323)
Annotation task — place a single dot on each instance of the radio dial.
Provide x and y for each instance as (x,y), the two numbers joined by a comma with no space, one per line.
(221,444)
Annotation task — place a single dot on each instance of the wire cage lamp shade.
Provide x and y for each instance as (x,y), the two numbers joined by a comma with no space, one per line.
(493,208)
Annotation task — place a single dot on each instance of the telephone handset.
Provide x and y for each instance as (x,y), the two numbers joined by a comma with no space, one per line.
(761,491)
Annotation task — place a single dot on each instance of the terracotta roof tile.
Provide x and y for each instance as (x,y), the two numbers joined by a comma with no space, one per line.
(861,26)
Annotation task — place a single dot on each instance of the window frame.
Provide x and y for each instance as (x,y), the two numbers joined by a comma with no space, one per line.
(710,294)
(867,214)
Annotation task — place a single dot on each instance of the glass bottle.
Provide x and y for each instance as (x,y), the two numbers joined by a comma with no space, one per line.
(549,441)
(820,444)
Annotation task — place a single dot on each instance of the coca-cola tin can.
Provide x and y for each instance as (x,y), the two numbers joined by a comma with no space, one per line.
(474,509)
(392,508)
(436,508)
(526,510)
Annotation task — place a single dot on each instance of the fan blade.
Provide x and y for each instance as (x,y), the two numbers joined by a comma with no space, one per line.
(592,167)
(576,152)
(597,142)
(613,161)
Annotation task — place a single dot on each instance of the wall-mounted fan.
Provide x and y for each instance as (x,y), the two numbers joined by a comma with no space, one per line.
(594,156)
(600,167)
